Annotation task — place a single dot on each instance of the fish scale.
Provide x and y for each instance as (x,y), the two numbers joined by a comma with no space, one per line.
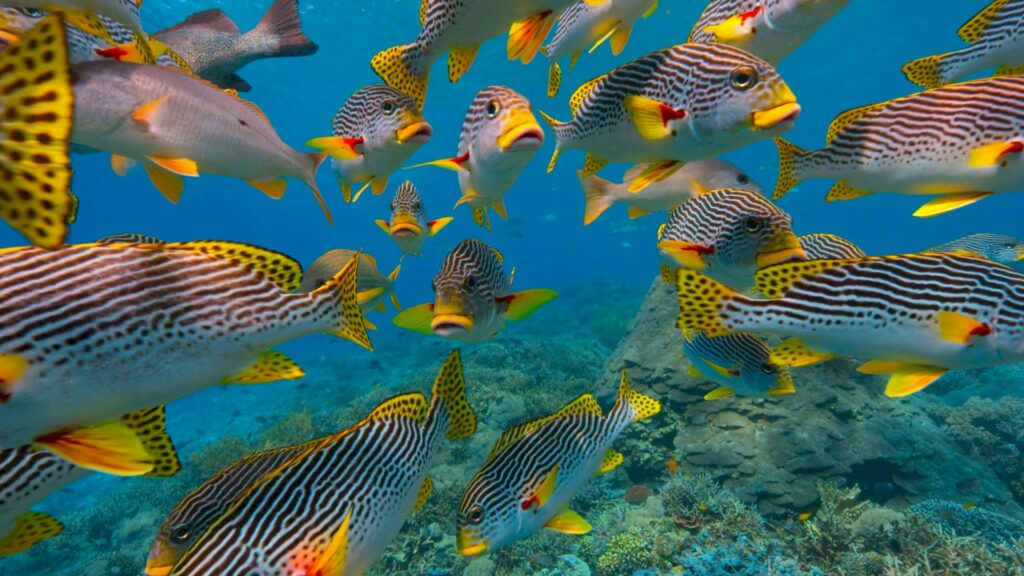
(996,247)
(829,247)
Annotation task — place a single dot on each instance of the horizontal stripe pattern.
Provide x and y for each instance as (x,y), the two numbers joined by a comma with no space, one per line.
(363,114)
(475,268)
(996,247)
(829,247)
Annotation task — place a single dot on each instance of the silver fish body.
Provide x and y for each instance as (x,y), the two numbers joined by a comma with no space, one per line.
(829,247)
(996,247)
(740,363)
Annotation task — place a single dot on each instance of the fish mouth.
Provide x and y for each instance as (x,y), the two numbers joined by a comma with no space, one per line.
(784,385)
(447,325)
(8,38)
(158,570)
(462,543)
(416,133)
(1020,254)
(776,116)
(405,227)
(523,132)
(783,249)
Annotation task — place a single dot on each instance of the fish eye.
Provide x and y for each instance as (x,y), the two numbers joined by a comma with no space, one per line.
(752,224)
(469,283)
(475,515)
(30,12)
(417,205)
(388,107)
(493,107)
(768,369)
(743,78)
(180,533)
(743,179)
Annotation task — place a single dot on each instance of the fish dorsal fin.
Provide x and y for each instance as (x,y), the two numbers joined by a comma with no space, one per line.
(412,406)
(424,6)
(581,93)
(501,259)
(774,281)
(274,266)
(213,19)
(847,118)
(971,31)
(150,427)
(584,404)
(426,489)
(369,261)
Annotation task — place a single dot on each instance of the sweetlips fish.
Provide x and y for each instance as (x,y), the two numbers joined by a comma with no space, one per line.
(500,136)
(177,125)
(996,38)
(684,103)
(474,297)
(92,15)
(769,29)
(374,133)
(913,317)
(535,469)
(976,137)
(740,363)
(588,25)
(691,180)
(996,247)
(409,227)
(829,247)
(29,476)
(91,332)
(344,498)
(372,287)
(130,238)
(729,234)
(36,104)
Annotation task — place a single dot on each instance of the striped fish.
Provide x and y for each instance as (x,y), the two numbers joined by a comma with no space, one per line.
(830,247)
(914,316)
(373,289)
(588,25)
(130,238)
(975,136)
(409,227)
(740,363)
(333,508)
(374,133)
(996,38)
(535,469)
(473,297)
(90,332)
(683,184)
(996,247)
(684,103)
(729,234)
(500,136)
(769,29)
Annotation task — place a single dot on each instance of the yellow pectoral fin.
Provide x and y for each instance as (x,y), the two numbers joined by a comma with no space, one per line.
(722,371)
(332,561)
(384,225)
(611,461)
(685,254)
(619,39)
(653,173)
(435,226)
(337,147)
(179,166)
(29,529)
(369,325)
(993,154)
(111,447)
(367,295)
(417,318)
(12,368)
(146,115)
(949,202)
(273,188)
(795,353)
(454,164)
(912,378)
(719,393)
(652,117)
(170,185)
(271,366)
(426,489)
(651,10)
(547,487)
(355,197)
(569,522)
(960,328)
(522,304)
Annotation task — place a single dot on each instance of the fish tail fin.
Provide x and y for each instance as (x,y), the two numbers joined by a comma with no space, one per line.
(283,25)
(637,406)
(339,295)
(554,79)
(316,160)
(29,529)
(36,96)
(599,196)
(559,128)
(928,72)
(450,393)
(789,154)
(404,69)
(701,301)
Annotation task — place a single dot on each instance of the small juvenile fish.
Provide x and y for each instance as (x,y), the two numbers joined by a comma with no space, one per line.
(535,469)
(914,316)
(474,297)
(729,235)
(588,25)
(372,287)
(91,332)
(374,133)
(996,38)
(684,103)
(500,136)
(177,125)
(678,187)
(770,29)
(996,247)
(344,498)
(409,227)
(976,137)
(829,247)
(740,363)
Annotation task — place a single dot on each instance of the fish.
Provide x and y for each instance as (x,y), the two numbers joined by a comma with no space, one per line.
(409,227)
(740,363)
(130,238)
(473,297)
(374,132)
(829,247)
(179,126)
(534,470)
(729,234)
(80,348)
(913,317)
(500,136)
(344,498)
(372,287)
(684,103)
(586,25)
(974,149)
(770,30)
(459,28)
(996,38)
(996,247)
(215,49)
(678,187)
(29,476)
(35,169)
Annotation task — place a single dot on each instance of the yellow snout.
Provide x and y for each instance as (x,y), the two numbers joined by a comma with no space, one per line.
(405,225)
(783,248)
(465,546)
(784,109)
(521,127)
(416,130)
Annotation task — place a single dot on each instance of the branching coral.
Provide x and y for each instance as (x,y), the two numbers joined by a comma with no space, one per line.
(696,502)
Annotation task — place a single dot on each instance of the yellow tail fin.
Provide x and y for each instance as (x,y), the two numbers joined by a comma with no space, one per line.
(29,529)
(599,193)
(788,154)
(450,391)
(347,319)
(641,406)
(701,301)
(925,72)
(400,68)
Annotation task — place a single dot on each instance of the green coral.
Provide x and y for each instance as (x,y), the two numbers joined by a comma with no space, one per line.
(626,552)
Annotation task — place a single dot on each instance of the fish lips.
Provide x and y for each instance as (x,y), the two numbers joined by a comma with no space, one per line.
(415,133)
(783,249)
(466,546)
(153,569)
(524,135)
(450,325)
(781,117)
(405,227)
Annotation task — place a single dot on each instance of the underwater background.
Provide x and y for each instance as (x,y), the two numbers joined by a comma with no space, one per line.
(837,479)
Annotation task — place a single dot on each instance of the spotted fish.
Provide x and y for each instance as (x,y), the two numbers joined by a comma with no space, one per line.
(684,103)
(373,289)
(473,297)
(973,149)
(500,136)
(996,247)
(740,363)
(344,498)
(375,132)
(409,227)
(996,38)
(769,29)
(535,469)
(729,234)
(829,247)
(913,317)
(91,332)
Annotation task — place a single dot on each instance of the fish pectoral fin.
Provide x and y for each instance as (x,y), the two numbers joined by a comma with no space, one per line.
(426,489)
(569,522)
(949,202)
(633,212)
(960,328)
(270,366)
(734,28)
(719,393)
(611,461)
(526,36)
(29,529)
(456,164)
(169,184)
(653,173)
(416,318)
(651,117)
(337,147)
(367,295)
(785,387)
(993,154)
(435,226)
(121,165)
(912,378)
(795,353)
(522,305)
(384,225)
(841,191)
(273,188)
(179,166)
(548,486)
(619,38)
(145,116)
(686,254)
(12,368)
(150,425)
(460,59)
(112,447)
(722,370)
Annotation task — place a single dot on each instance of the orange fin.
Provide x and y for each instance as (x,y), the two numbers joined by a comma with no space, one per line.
(170,185)
(526,36)
(273,188)
(337,147)
(112,447)
(179,166)
(146,115)
(653,173)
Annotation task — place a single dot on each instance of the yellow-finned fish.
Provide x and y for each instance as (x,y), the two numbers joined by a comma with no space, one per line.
(373,288)
(409,227)
(829,247)
(996,247)
(88,15)
(91,332)
(740,363)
